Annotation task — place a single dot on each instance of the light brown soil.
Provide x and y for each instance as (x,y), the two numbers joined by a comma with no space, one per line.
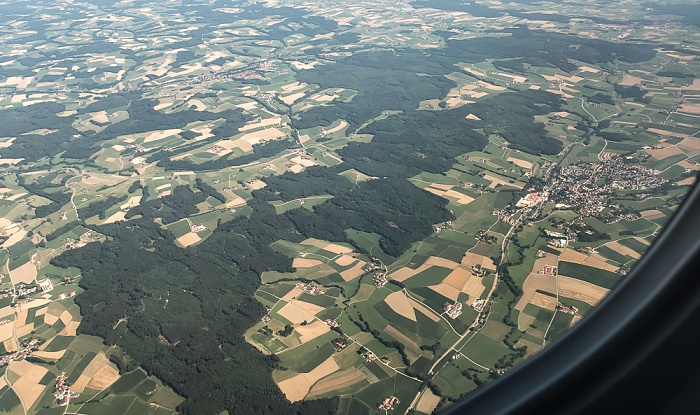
(188,239)
(354,272)
(522,163)
(535,282)
(338,380)
(398,302)
(425,311)
(446,291)
(305,263)
(28,387)
(581,290)
(428,402)
(311,330)
(474,287)
(297,387)
(544,301)
(457,278)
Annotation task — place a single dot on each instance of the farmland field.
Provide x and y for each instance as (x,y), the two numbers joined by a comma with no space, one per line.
(287,207)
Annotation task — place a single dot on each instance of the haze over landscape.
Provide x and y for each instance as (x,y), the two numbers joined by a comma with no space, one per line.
(323,207)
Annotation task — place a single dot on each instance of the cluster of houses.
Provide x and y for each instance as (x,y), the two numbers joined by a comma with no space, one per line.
(310,289)
(548,270)
(197,228)
(63,296)
(22,290)
(379,279)
(389,403)
(530,200)
(339,343)
(567,309)
(484,237)
(26,347)
(214,149)
(332,323)
(453,310)
(63,392)
(477,270)
(478,304)
(505,215)
(444,225)
(369,356)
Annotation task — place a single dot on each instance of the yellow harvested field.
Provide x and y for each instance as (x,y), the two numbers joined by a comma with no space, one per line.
(289,99)
(337,249)
(104,378)
(261,124)
(569,255)
(518,162)
(344,260)
(688,181)
(190,238)
(653,213)
(49,355)
(354,272)
(24,330)
(70,329)
(618,247)
(460,198)
(95,365)
(534,282)
(337,380)
(297,311)
(474,287)
(446,291)
(596,260)
(6,331)
(339,127)
(257,184)
(424,310)
(297,387)
(159,135)
(665,152)
(581,290)
(26,273)
(457,278)
(28,387)
(398,302)
(311,330)
(305,263)
(471,259)
(545,301)
(292,294)
(428,402)
(496,181)
(116,217)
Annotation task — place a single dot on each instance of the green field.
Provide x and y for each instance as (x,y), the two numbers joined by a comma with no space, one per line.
(602,278)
